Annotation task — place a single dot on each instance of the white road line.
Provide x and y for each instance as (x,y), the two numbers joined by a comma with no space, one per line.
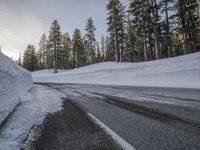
(119,140)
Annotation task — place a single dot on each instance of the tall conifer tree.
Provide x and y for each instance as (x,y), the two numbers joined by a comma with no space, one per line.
(115,21)
(78,50)
(54,45)
(91,40)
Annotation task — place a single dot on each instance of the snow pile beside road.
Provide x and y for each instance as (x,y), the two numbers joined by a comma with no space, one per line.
(182,71)
(14,82)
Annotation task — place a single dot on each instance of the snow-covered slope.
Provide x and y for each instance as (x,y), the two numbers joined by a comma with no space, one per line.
(14,82)
(182,71)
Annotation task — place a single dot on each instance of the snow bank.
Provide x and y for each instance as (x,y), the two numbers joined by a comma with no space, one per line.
(14,81)
(182,71)
(46,71)
(34,107)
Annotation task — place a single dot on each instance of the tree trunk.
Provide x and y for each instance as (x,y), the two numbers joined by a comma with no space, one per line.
(145,48)
(169,47)
(156,30)
(117,52)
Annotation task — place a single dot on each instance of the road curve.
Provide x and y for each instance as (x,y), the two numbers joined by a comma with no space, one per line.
(145,117)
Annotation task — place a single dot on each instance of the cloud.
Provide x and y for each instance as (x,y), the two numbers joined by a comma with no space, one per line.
(17,30)
(24,21)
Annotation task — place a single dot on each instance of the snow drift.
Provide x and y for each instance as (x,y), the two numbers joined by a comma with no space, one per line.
(14,81)
(182,71)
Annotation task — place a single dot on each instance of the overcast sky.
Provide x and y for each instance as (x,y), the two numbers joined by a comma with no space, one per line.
(24,21)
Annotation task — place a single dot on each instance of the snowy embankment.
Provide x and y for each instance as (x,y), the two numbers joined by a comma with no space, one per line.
(14,82)
(182,71)
(26,103)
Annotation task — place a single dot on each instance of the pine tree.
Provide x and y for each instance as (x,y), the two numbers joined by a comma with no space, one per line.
(103,48)
(91,41)
(98,53)
(42,52)
(116,19)
(67,47)
(49,57)
(134,29)
(166,7)
(54,45)
(178,43)
(78,57)
(139,30)
(109,49)
(157,30)
(122,35)
(30,59)
(188,16)
(131,53)
(86,50)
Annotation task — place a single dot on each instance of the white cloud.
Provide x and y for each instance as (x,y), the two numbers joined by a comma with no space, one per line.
(17,30)
(22,22)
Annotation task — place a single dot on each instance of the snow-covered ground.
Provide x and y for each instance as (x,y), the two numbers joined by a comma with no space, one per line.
(34,102)
(32,110)
(15,86)
(182,71)
(14,82)
(22,105)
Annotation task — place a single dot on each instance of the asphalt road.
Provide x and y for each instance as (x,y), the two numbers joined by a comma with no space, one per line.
(145,117)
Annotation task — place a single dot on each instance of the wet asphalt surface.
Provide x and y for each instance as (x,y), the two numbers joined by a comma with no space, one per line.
(155,119)
(71,129)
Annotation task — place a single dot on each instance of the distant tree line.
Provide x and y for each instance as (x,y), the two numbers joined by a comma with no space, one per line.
(148,30)
(153,29)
